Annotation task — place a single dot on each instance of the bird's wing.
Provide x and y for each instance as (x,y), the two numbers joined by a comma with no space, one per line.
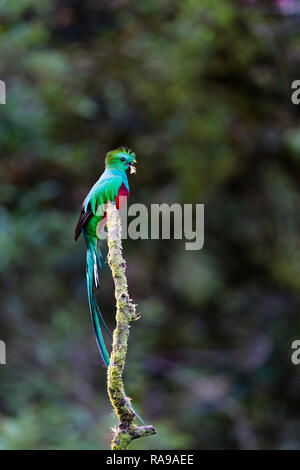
(106,189)
(83,219)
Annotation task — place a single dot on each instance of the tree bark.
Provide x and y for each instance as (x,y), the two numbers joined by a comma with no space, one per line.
(126,313)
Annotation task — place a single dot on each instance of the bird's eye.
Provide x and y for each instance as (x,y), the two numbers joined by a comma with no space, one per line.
(122,159)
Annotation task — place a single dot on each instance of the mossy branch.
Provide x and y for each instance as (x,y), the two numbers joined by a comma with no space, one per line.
(126,312)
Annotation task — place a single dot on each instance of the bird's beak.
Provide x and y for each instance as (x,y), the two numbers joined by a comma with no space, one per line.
(132,167)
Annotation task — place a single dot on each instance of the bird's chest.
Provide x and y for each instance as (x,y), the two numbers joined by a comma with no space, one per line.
(122,196)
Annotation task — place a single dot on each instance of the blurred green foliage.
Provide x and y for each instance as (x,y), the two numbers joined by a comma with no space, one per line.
(200,90)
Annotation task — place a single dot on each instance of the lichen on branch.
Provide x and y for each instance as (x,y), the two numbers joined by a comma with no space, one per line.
(126,313)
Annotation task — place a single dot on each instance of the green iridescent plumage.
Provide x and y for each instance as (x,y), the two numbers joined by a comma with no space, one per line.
(112,184)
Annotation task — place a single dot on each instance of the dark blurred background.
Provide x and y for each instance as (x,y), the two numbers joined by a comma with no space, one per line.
(201,91)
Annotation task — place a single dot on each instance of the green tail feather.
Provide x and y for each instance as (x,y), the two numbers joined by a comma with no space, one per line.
(94,309)
(92,256)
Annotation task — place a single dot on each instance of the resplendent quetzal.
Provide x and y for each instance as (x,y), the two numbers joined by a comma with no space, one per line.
(111,186)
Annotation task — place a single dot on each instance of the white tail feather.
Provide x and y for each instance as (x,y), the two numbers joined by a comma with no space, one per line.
(96,277)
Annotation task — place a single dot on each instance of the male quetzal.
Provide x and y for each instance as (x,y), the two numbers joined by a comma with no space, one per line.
(111,186)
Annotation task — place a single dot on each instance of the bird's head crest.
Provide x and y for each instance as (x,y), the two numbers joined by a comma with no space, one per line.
(121,159)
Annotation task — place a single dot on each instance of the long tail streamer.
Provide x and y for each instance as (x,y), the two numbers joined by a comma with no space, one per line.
(92,277)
